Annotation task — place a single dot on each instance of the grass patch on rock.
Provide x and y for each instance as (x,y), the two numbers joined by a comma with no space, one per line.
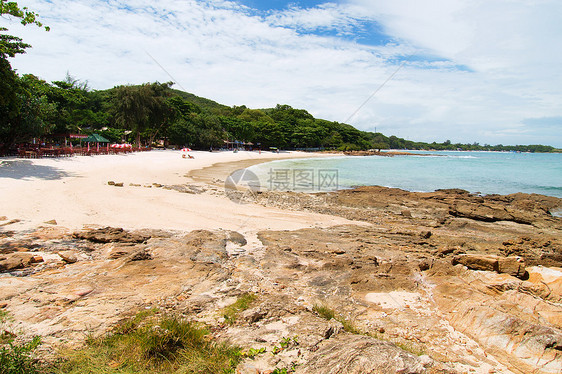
(328,313)
(16,357)
(148,343)
(230,313)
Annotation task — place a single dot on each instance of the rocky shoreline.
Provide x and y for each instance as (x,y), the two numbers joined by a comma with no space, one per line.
(441,282)
(385,153)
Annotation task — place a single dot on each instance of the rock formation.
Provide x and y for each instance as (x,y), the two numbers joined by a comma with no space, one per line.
(459,284)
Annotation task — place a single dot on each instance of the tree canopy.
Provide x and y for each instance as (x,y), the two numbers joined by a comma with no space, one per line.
(21,107)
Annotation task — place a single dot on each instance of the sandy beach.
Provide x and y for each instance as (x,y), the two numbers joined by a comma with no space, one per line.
(75,193)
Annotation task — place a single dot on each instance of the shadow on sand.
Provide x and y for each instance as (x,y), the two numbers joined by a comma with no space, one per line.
(25,169)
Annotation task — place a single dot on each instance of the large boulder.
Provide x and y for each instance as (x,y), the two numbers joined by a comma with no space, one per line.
(111,235)
(17,261)
(513,265)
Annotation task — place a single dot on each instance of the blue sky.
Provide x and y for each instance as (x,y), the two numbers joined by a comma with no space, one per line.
(280,4)
(471,71)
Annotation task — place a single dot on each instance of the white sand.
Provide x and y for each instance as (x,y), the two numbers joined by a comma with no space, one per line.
(74,192)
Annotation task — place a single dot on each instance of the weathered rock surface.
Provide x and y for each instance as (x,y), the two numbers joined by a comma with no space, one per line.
(68,256)
(17,261)
(514,266)
(407,291)
(355,354)
(111,235)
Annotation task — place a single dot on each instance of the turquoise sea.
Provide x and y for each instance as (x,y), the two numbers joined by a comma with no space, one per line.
(477,172)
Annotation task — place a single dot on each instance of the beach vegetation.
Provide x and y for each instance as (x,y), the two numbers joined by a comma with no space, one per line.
(328,313)
(254,352)
(151,343)
(243,302)
(16,357)
(21,107)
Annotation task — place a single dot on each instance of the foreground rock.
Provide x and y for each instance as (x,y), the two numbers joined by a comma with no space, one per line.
(361,354)
(427,286)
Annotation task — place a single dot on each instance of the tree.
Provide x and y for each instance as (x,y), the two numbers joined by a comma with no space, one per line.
(19,112)
(12,45)
(69,100)
(137,107)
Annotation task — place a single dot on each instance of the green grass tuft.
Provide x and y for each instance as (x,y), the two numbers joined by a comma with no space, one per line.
(16,358)
(147,344)
(243,302)
(324,312)
(328,313)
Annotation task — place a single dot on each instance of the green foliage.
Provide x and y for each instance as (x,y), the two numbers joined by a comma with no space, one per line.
(25,15)
(324,312)
(16,358)
(22,109)
(243,302)
(284,344)
(140,108)
(284,370)
(112,134)
(154,111)
(147,344)
(252,352)
(12,45)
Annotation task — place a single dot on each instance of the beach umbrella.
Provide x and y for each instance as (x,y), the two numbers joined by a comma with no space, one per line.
(96,138)
(186,149)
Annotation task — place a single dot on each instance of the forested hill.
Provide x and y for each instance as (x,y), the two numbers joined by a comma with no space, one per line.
(151,112)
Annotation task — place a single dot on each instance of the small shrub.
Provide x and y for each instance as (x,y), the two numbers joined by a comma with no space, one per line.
(252,352)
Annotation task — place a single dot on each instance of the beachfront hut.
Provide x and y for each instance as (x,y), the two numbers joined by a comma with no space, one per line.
(97,138)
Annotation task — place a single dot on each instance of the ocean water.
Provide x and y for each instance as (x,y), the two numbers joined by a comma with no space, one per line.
(477,172)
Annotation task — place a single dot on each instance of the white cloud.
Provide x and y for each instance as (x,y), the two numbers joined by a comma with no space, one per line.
(329,16)
(226,52)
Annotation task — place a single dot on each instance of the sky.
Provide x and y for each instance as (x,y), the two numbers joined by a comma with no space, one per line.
(486,71)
